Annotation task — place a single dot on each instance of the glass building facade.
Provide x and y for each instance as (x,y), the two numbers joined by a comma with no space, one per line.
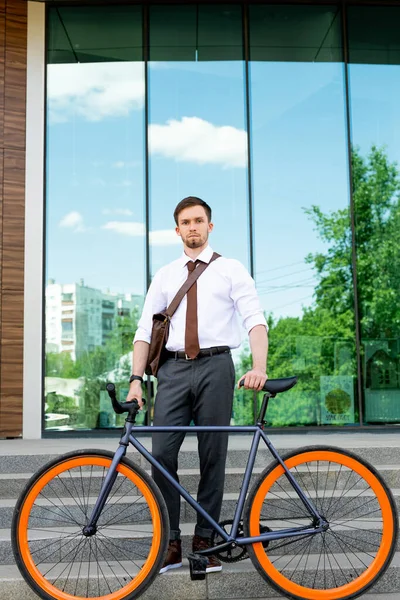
(285,118)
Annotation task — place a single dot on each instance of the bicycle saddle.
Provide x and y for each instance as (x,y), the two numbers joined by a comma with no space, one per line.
(275,386)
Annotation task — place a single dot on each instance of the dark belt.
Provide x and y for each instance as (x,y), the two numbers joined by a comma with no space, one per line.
(203,352)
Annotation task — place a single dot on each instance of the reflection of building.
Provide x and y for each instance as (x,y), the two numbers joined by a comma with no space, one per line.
(79,318)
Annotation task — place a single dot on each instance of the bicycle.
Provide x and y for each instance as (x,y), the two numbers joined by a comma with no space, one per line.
(318,524)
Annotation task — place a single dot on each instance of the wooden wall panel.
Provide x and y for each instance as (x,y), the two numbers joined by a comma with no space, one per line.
(15,78)
(13,38)
(13,219)
(2,53)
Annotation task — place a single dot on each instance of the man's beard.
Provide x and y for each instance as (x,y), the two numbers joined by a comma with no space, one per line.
(195,242)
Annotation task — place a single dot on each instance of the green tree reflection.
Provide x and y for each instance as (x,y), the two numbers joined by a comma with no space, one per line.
(325,330)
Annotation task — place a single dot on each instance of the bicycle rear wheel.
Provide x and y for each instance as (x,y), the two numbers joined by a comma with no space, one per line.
(120,560)
(355,551)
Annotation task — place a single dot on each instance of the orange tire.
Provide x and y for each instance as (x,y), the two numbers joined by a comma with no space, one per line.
(347,559)
(120,560)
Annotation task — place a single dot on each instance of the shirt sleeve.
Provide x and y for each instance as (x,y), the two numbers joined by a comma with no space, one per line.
(155,302)
(245,297)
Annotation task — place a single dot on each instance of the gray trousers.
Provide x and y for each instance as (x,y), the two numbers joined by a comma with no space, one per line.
(201,390)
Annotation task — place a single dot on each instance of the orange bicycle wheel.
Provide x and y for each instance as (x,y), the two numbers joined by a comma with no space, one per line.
(355,551)
(125,553)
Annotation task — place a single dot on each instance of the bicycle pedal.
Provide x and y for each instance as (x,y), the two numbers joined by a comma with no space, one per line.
(198,565)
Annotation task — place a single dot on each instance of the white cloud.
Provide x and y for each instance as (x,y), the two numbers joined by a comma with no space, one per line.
(194,140)
(117,211)
(121,164)
(164,237)
(126,228)
(74,221)
(94,90)
(161,237)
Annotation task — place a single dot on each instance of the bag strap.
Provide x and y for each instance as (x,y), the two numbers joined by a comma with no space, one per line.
(194,275)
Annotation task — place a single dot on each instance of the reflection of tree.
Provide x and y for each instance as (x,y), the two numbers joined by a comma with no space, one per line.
(93,367)
(330,320)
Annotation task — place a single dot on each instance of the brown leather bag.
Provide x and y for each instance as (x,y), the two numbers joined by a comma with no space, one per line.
(161,321)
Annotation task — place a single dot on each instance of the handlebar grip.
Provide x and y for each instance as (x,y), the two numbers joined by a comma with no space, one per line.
(121,407)
(110,387)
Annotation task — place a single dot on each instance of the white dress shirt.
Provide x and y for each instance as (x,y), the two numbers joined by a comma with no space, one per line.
(224,290)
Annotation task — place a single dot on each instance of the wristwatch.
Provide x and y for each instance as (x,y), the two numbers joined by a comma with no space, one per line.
(133,377)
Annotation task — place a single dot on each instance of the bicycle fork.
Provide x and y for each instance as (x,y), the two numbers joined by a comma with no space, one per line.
(91,527)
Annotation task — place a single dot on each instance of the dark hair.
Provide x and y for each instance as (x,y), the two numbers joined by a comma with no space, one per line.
(191,201)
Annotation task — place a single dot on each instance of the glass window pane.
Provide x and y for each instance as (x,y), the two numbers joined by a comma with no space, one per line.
(295,33)
(95,33)
(301,210)
(196,32)
(374,52)
(197,131)
(95,232)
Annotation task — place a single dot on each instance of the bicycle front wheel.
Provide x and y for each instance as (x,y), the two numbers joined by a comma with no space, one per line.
(126,551)
(355,551)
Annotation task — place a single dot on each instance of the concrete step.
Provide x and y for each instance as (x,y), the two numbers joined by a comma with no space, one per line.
(125,509)
(126,540)
(14,460)
(236,581)
(11,485)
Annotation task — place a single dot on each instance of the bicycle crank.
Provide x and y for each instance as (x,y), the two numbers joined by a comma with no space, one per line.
(231,554)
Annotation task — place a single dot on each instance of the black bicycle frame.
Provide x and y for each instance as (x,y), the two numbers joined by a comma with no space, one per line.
(127,438)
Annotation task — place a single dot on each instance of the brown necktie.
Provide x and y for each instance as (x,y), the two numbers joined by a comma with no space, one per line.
(191,334)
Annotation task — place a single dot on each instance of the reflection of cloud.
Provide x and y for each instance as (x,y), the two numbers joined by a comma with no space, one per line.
(161,237)
(126,228)
(164,237)
(73,220)
(117,211)
(194,140)
(94,90)
(121,164)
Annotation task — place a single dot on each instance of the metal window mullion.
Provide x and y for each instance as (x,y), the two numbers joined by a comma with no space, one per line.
(146,140)
(146,50)
(345,43)
(246,46)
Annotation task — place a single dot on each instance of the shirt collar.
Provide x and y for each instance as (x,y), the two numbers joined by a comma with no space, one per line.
(205,256)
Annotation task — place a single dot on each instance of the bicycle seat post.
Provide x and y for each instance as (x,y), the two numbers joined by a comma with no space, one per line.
(261,415)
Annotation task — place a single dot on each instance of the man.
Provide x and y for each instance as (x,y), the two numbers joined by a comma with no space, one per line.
(198,378)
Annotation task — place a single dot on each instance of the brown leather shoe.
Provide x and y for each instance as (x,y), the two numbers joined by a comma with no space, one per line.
(201,543)
(173,559)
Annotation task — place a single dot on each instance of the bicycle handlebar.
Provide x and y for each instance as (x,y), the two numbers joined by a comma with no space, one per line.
(122,407)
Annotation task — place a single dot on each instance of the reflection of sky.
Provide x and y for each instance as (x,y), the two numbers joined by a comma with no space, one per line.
(95,181)
(95,169)
(214,95)
(299,160)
